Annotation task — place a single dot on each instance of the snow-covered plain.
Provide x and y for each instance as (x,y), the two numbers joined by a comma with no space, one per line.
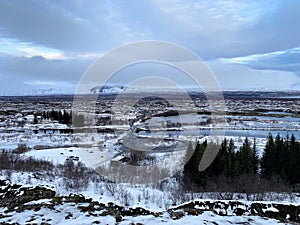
(46,140)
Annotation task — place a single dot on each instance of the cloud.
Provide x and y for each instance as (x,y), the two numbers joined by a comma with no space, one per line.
(47,83)
(210,28)
(12,47)
(231,28)
(286,60)
(243,77)
(55,41)
(22,70)
(25,75)
(47,24)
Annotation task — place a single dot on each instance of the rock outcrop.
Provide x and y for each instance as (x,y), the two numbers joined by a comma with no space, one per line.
(283,212)
(14,198)
(13,195)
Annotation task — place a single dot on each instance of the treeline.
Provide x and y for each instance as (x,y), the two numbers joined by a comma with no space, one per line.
(280,164)
(12,161)
(281,158)
(64,117)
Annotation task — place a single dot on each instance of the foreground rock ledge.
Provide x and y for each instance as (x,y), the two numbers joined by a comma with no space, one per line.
(15,198)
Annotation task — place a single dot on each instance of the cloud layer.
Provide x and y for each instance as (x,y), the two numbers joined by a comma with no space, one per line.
(249,44)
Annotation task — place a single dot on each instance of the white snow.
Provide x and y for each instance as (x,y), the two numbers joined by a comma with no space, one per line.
(68,213)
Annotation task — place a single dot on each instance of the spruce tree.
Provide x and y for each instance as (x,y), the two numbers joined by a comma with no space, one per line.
(191,171)
(294,158)
(245,158)
(35,119)
(231,159)
(267,161)
(255,159)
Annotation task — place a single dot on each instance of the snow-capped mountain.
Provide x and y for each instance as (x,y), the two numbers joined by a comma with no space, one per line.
(108,89)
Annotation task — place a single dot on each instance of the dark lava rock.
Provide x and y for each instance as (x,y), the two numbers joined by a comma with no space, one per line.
(282,212)
(16,195)
(239,211)
(176,215)
(76,198)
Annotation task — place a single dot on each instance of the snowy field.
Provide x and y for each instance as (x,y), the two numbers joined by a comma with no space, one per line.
(52,141)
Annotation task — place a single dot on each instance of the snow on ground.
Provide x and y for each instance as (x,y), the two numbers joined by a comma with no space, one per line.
(204,218)
(152,197)
(55,155)
(11,140)
(68,213)
(64,214)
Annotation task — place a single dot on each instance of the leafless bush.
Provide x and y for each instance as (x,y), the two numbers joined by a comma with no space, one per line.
(22,148)
(8,174)
(124,196)
(76,175)
(111,188)
(13,161)
(226,195)
(99,189)
(146,194)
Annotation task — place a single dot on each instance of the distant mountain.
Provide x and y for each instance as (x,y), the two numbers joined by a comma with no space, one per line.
(115,89)
(108,89)
(40,91)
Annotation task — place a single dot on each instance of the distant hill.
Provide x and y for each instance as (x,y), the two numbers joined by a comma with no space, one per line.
(106,89)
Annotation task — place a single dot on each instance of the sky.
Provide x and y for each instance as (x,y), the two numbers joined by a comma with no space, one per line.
(247,44)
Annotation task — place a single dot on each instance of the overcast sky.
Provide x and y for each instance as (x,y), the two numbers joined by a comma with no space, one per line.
(247,44)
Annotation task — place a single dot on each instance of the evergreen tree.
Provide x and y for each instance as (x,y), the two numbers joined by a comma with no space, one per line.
(278,156)
(281,159)
(294,159)
(246,158)
(44,115)
(59,116)
(255,160)
(219,165)
(231,159)
(191,171)
(35,119)
(267,161)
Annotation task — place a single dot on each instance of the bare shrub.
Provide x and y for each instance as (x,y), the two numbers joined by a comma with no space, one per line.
(76,175)
(22,148)
(124,196)
(111,188)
